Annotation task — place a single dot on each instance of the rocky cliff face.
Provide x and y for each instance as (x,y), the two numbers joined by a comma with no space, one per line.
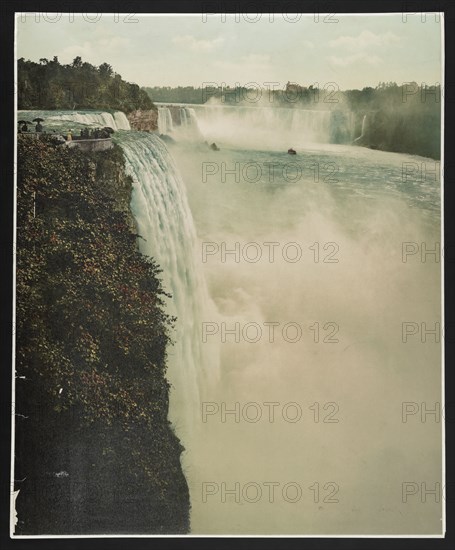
(143,121)
(415,133)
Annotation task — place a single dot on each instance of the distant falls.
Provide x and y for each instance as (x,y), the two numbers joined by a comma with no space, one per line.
(256,125)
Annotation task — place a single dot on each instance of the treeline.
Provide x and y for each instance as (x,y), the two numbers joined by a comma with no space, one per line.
(95,452)
(293,95)
(79,85)
(181,94)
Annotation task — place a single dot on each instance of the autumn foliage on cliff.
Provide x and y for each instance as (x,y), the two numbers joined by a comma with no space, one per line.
(94,449)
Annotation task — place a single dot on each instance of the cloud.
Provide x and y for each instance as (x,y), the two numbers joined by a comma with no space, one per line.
(91,51)
(255,58)
(114,42)
(365,40)
(363,58)
(191,42)
(246,69)
(84,50)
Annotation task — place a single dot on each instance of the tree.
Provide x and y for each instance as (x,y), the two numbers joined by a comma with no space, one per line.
(77,62)
(105,70)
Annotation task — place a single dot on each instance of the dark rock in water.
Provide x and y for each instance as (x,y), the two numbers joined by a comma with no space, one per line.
(214,147)
(292,151)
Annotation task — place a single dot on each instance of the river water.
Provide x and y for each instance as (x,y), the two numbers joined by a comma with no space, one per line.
(319,267)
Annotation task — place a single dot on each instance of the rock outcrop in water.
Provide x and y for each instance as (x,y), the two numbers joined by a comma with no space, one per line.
(143,121)
(95,452)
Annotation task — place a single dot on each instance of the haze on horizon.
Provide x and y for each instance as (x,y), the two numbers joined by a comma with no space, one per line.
(353,51)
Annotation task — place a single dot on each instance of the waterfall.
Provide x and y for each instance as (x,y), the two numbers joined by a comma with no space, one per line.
(263,126)
(189,127)
(363,125)
(96,118)
(53,119)
(160,207)
(362,132)
(185,126)
(165,124)
(183,116)
(193,122)
(116,121)
(121,121)
(255,125)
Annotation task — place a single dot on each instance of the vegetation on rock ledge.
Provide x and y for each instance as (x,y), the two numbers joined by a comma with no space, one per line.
(94,448)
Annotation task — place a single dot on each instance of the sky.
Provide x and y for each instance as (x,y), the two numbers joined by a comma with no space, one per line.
(350,51)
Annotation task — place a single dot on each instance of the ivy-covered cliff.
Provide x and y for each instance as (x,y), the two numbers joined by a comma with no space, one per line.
(95,452)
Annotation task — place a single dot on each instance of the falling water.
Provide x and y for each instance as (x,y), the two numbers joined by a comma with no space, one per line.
(362,132)
(164,220)
(189,128)
(183,116)
(165,124)
(264,126)
(116,120)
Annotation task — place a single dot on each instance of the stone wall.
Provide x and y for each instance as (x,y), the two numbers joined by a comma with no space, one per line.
(91,144)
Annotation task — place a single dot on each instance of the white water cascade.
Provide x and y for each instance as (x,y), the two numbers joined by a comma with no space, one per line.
(165,124)
(188,116)
(116,120)
(185,127)
(184,116)
(256,126)
(164,220)
(263,126)
(189,128)
(363,130)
